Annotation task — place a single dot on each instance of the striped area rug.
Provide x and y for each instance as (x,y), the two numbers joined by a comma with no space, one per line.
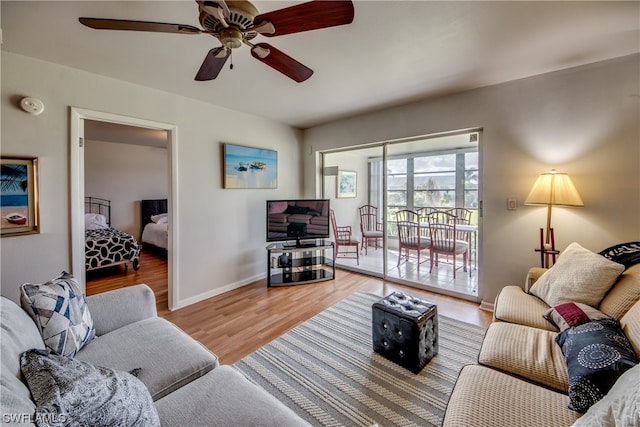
(326,371)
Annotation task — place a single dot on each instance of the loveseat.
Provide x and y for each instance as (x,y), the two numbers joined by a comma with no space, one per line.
(185,383)
(523,378)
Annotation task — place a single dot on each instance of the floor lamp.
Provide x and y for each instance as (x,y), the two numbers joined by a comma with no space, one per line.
(552,189)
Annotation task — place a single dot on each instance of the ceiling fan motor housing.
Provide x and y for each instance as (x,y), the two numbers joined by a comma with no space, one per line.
(240,18)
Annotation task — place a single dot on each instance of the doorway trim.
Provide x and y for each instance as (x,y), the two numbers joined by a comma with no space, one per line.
(76,150)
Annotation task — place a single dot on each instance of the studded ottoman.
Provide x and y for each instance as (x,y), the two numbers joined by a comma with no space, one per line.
(405,330)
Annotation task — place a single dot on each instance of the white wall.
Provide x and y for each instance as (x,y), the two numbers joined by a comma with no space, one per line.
(125,174)
(221,242)
(346,209)
(583,121)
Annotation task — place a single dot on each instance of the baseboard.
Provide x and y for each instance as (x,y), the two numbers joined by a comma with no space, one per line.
(217,291)
(486,306)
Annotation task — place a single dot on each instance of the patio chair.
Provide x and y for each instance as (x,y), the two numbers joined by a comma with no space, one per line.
(344,240)
(370,227)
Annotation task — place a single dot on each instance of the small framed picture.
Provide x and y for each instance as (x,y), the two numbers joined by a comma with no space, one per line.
(19,197)
(346,184)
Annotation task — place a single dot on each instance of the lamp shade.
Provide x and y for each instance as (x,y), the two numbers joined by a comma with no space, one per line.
(555,189)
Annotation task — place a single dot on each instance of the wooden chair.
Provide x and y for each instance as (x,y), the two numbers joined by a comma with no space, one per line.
(344,240)
(461,216)
(370,227)
(444,241)
(410,237)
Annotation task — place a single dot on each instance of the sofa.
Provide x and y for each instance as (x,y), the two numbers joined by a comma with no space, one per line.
(523,378)
(186,384)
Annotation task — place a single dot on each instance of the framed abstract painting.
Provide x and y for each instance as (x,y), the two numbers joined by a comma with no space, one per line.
(250,167)
(346,184)
(20,213)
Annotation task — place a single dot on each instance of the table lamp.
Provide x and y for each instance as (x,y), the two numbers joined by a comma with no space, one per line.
(553,189)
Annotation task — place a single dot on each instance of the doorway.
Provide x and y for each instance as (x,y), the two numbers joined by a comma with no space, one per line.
(437,171)
(79,118)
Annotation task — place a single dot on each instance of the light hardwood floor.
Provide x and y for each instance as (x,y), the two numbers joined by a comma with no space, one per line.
(238,322)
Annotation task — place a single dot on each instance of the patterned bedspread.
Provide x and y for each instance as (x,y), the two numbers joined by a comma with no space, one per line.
(110,246)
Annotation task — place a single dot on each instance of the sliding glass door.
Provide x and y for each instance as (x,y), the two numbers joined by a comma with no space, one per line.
(418,175)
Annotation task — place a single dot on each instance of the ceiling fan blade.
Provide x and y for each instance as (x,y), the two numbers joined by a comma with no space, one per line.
(123,24)
(213,63)
(280,61)
(306,17)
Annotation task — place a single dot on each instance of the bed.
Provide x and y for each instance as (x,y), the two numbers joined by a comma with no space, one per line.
(106,246)
(154,222)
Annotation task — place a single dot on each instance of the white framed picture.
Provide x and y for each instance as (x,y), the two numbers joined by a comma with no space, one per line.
(346,184)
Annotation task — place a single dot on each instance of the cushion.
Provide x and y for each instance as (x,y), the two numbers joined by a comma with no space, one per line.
(297,210)
(627,254)
(278,207)
(571,314)
(60,311)
(579,276)
(94,221)
(597,353)
(70,392)
(620,407)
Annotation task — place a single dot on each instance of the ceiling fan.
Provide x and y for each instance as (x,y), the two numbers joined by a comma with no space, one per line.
(235,23)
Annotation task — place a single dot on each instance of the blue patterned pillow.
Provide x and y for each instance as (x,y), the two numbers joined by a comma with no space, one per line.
(74,393)
(597,353)
(60,311)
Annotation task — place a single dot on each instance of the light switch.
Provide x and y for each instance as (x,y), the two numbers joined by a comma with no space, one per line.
(512,204)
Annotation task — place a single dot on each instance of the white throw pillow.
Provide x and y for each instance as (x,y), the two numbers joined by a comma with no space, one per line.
(94,221)
(160,218)
(579,276)
(620,407)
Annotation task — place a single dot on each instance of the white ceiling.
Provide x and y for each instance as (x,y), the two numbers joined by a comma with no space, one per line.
(394,51)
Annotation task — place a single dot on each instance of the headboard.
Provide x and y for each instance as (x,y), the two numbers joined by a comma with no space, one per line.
(99,206)
(151,207)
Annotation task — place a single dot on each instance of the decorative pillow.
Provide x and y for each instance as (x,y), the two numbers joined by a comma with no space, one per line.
(572,314)
(278,207)
(94,221)
(70,392)
(627,254)
(579,276)
(60,311)
(619,408)
(160,218)
(597,353)
(297,210)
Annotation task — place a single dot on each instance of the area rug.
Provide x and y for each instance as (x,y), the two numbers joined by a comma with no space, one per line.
(326,371)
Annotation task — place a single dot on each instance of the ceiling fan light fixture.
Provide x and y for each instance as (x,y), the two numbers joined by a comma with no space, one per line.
(231,38)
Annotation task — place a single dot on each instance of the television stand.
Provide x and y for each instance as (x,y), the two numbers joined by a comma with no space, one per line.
(301,244)
(304,262)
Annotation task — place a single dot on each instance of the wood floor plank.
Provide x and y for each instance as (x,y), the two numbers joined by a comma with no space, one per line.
(240,321)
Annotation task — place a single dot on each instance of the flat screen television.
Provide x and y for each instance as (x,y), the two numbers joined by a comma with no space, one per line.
(295,220)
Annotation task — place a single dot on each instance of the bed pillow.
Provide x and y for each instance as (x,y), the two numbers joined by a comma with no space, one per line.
(94,221)
(597,353)
(619,408)
(60,311)
(68,391)
(579,275)
(160,218)
(572,314)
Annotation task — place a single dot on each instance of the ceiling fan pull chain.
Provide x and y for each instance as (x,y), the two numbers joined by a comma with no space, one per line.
(231,60)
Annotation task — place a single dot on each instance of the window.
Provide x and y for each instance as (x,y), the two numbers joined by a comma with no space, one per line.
(439,179)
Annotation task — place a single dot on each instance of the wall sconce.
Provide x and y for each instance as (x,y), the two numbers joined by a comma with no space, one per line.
(330,171)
